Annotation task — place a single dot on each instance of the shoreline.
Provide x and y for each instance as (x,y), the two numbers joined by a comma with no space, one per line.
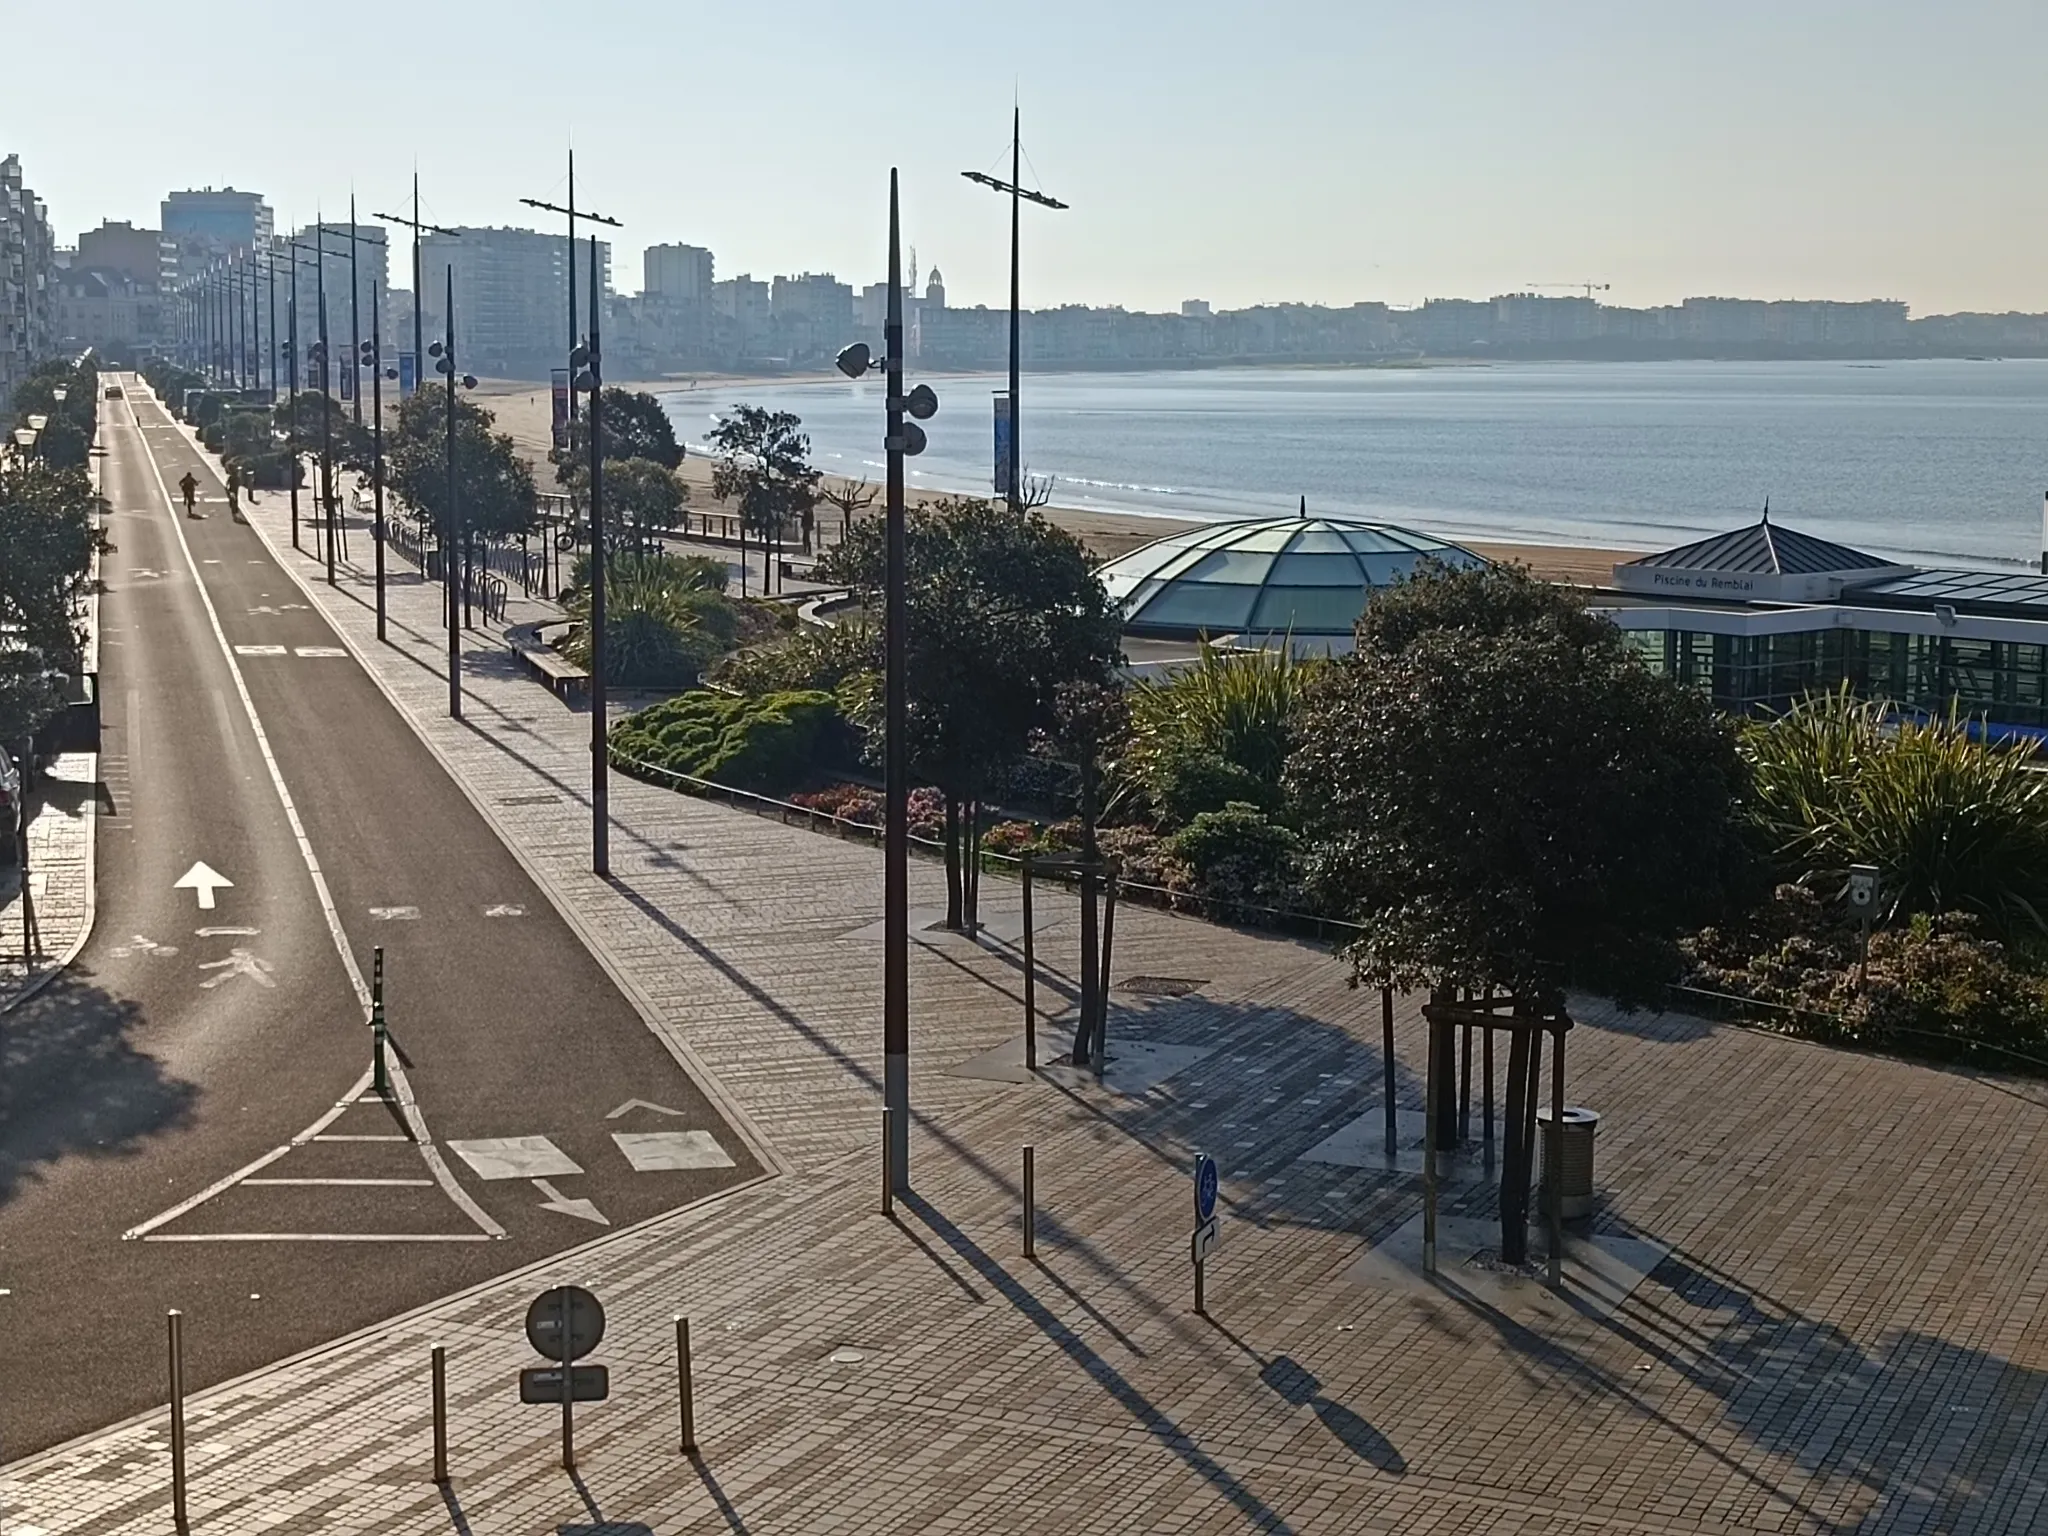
(523,413)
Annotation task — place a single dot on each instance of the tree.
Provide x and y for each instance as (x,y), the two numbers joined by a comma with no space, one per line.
(851,497)
(642,501)
(494,484)
(1003,611)
(634,427)
(1502,797)
(1090,720)
(764,462)
(49,529)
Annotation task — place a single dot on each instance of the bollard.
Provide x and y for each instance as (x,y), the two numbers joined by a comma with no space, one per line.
(1030,979)
(440,1414)
(888,1184)
(380,1079)
(1030,1203)
(176,1321)
(684,1385)
(1387,1052)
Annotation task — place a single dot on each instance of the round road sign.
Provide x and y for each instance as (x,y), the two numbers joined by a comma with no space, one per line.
(1205,1187)
(570,1310)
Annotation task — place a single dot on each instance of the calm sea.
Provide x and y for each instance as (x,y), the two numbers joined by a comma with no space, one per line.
(1935,462)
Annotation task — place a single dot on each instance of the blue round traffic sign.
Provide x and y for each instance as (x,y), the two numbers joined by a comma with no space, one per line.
(1205,1187)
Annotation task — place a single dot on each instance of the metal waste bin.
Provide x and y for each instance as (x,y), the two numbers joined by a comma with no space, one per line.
(1575,1160)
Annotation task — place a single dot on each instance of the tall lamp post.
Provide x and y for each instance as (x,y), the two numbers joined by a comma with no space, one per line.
(1018,196)
(589,359)
(443,353)
(574,214)
(370,355)
(900,439)
(418,227)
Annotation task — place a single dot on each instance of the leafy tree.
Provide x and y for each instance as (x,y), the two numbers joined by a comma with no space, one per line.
(49,529)
(494,484)
(1089,720)
(69,425)
(1504,798)
(642,501)
(634,427)
(1003,611)
(764,463)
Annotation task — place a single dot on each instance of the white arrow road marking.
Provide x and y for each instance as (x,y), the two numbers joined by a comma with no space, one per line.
(238,963)
(395,914)
(264,608)
(141,946)
(558,1202)
(205,881)
(226,933)
(505,909)
(631,1104)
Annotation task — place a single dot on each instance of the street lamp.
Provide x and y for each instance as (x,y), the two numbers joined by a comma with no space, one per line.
(900,439)
(443,353)
(586,364)
(24,440)
(1018,196)
(369,355)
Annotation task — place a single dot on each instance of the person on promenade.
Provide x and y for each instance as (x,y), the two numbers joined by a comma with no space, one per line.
(190,486)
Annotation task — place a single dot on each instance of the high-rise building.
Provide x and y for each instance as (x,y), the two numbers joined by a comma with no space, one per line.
(28,258)
(372,275)
(214,222)
(511,296)
(739,310)
(139,255)
(677,272)
(812,313)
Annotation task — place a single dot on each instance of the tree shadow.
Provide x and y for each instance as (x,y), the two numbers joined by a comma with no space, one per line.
(72,1082)
(1296,1384)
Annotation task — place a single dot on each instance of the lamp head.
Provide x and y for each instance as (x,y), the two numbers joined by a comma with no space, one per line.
(923,403)
(913,439)
(855,360)
(469,381)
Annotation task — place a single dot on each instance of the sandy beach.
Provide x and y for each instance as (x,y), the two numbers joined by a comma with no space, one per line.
(524,412)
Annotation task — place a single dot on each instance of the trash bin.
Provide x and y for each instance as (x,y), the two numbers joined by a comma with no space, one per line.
(1575,1159)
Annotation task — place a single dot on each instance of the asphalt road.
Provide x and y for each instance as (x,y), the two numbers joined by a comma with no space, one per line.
(190,1045)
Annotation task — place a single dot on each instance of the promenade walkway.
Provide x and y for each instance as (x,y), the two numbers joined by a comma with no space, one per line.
(1849,1333)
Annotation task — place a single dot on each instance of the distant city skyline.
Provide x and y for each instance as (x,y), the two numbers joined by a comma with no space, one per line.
(1337,150)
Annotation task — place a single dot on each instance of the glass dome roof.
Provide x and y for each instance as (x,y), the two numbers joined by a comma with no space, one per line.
(1307,574)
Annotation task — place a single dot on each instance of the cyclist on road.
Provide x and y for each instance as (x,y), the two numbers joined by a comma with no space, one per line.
(190,486)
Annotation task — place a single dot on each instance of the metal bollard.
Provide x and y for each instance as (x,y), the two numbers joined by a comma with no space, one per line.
(1030,979)
(685,1387)
(440,1414)
(888,1184)
(1030,1203)
(176,1321)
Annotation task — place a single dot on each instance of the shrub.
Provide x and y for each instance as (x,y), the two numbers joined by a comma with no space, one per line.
(1239,857)
(815,656)
(1184,784)
(1953,823)
(762,744)
(1223,724)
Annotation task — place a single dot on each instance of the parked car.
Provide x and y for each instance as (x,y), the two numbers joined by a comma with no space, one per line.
(114,392)
(10,809)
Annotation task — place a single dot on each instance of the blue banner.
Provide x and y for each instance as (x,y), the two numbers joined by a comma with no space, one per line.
(408,374)
(1002,444)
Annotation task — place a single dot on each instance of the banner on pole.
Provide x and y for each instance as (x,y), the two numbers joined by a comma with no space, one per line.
(1002,442)
(559,382)
(348,383)
(408,374)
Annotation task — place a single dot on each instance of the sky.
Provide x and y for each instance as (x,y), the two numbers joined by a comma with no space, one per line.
(1285,150)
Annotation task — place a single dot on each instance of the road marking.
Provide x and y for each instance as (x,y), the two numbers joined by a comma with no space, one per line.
(226,933)
(671,1151)
(319,1237)
(204,880)
(141,946)
(263,608)
(395,914)
(259,650)
(562,1205)
(357,1138)
(209,562)
(408,1184)
(238,963)
(631,1104)
(319,651)
(505,909)
(408,1107)
(515,1157)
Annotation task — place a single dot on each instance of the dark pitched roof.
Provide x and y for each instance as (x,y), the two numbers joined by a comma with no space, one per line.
(1765,548)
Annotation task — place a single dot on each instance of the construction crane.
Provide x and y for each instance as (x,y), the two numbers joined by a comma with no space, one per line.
(1589,289)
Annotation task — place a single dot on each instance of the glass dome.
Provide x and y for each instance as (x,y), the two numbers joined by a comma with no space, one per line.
(1307,574)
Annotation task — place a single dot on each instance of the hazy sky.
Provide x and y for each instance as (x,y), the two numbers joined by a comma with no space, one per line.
(1262,150)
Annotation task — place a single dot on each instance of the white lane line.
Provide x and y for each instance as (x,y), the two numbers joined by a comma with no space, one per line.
(318,651)
(406,1184)
(219,1186)
(415,1123)
(358,1138)
(319,1237)
(395,914)
(259,650)
(225,933)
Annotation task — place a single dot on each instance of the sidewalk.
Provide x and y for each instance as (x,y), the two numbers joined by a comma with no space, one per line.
(1850,1331)
(59,877)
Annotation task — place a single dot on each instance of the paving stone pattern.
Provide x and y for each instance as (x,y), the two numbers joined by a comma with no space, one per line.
(1848,1336)
(59,877)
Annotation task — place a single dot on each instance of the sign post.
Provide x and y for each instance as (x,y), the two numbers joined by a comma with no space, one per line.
(565,1324)
(1862,895)
(1208,1232)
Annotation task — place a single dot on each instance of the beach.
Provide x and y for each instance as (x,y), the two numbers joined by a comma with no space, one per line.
(524,412)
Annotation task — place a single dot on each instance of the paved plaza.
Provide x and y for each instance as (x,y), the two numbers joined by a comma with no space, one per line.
(1848,1331)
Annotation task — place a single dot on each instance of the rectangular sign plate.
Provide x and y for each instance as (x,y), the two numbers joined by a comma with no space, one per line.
(1207,1239)
(543,1384)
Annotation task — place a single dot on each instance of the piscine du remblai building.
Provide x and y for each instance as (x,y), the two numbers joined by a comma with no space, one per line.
(1757,617)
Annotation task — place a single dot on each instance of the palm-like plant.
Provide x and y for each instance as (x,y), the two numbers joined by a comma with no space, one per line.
(1953,822)
(1231,708)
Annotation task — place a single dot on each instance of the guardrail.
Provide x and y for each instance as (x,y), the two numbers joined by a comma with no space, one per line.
(790,813)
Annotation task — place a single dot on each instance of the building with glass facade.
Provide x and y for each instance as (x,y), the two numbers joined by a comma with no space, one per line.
(1762,616)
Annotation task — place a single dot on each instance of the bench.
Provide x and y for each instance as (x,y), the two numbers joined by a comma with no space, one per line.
(569,681)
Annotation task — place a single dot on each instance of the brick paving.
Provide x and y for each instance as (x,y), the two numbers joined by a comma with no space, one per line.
(1850,1333)
(59,876)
